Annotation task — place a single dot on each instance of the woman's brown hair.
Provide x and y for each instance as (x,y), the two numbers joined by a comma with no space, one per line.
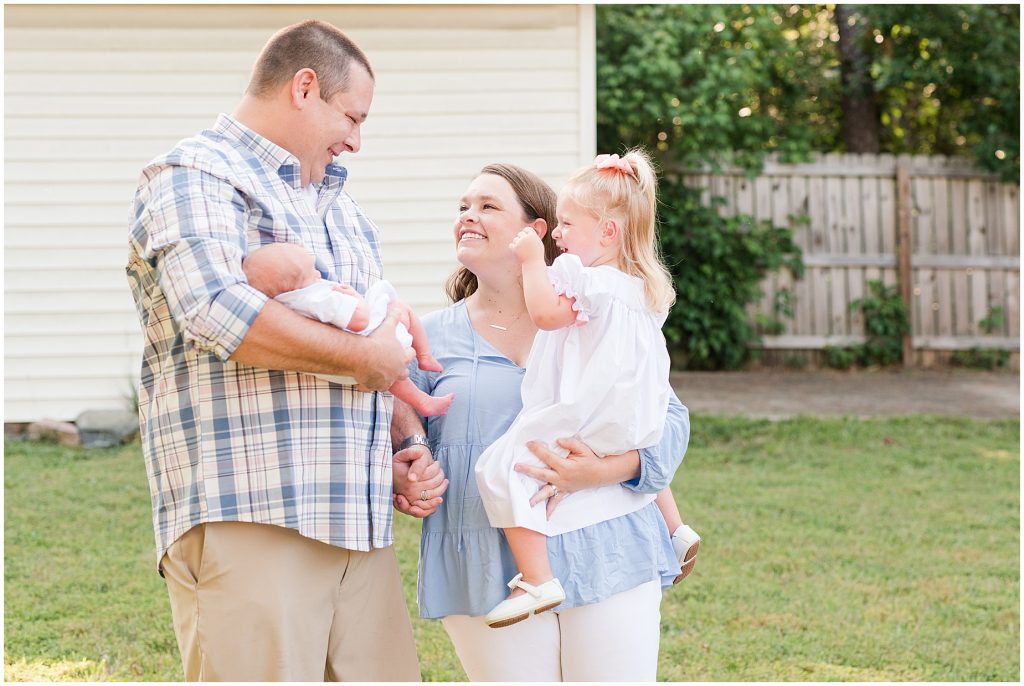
(537,201)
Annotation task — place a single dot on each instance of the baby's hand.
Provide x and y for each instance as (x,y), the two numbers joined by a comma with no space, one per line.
(348,290)
(527,246)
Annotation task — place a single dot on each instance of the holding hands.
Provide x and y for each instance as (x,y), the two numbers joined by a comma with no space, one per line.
(418,481)
(528,246)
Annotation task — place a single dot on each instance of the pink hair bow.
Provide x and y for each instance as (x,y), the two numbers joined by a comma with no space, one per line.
(613,162)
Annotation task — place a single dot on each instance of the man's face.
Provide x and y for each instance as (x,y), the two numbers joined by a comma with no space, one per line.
(334,127)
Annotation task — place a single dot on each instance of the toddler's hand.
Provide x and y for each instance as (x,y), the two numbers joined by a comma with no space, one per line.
(527,246)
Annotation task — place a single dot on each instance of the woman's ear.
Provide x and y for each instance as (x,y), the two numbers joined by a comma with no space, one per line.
(540,226)
(303,85)
(609,232)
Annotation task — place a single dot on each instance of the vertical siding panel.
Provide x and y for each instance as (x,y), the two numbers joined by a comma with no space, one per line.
(64,108)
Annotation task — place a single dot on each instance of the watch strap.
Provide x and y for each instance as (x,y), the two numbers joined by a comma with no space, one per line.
(415,439)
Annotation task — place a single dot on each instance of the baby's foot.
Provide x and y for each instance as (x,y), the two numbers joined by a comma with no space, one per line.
(435,406)
(427,363)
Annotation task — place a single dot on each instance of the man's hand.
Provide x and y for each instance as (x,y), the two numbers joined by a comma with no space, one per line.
(389,361)
(528,246)
(418,481)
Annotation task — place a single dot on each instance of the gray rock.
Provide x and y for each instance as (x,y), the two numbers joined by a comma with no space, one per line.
(107,428)
(64,433)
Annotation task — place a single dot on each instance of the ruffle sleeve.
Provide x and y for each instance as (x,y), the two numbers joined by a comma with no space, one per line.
(569,278)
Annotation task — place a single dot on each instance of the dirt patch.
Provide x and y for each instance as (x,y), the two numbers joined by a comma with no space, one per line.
(777,394)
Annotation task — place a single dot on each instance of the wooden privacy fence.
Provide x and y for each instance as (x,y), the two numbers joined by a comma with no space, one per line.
(963,248)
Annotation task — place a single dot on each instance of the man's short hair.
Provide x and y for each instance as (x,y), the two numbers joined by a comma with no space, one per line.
(314,44)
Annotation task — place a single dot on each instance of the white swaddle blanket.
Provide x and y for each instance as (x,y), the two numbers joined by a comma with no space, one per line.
(321,302)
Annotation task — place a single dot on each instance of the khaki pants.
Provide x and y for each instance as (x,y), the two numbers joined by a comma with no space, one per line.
(253,602)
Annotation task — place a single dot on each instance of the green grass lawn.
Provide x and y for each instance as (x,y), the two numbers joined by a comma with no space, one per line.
(833,550)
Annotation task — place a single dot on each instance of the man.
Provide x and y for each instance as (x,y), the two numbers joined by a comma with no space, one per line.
(271,488)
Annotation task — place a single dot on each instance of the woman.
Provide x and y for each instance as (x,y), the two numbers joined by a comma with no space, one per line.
(614,571)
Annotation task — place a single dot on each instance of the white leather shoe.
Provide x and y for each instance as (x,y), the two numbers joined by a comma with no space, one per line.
(536,599)
(685,542)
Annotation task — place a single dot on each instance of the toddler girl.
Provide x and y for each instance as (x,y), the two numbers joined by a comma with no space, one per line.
(287,273)
(598,369)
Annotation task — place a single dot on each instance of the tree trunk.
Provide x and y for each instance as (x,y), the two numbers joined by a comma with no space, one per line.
(860,113)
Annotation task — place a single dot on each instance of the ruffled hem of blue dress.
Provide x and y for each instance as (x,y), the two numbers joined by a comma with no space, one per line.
(464,573)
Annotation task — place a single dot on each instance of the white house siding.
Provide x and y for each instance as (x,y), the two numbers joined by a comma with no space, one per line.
(93,92)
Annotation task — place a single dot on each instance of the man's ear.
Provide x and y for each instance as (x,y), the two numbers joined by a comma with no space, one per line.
(610,232)
(540,226)
(303,86)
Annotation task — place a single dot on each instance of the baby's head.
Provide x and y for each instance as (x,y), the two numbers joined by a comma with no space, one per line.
(279,268)
(617,197)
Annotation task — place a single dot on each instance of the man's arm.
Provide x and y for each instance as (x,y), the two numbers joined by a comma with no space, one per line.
(192,227)
(415,473)
(279,338)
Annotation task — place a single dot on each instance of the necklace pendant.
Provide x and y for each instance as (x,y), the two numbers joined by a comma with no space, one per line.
(495,326)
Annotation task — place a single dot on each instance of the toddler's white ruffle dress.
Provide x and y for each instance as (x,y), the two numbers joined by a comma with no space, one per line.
(603,380)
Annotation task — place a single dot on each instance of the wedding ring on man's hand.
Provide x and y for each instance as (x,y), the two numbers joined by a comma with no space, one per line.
(423,494)
(554,490)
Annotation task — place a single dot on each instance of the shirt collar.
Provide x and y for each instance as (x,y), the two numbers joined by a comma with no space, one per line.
(273,155)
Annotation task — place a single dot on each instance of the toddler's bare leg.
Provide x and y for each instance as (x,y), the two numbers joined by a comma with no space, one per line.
(530,550)
(667,505)
(426,405)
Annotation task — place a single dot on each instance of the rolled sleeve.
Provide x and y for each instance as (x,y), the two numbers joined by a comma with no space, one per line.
(194,234)
(658,463)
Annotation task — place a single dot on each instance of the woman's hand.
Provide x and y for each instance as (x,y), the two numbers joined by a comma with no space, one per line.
(580,469)
(418,481)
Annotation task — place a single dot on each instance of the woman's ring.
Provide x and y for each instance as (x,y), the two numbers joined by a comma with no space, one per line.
(423,494)
(554,490)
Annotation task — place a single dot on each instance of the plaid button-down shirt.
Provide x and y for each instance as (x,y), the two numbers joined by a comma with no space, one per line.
(225,441)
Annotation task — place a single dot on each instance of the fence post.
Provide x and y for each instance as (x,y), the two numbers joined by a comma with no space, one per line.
(903,210)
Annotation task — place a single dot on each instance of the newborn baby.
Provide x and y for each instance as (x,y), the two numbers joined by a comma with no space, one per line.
(286,272)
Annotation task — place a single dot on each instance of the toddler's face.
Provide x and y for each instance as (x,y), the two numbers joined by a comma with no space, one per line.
(578,231)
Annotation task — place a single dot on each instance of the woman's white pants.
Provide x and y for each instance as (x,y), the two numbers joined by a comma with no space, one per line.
(614,640)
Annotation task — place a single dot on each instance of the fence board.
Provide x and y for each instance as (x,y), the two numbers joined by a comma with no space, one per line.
(816,209)
(763,198)
(940,208)
(925,296)
(887,213)
(1013,304)
(835,234)
(965,236)
(870,226)
(944,298)
(997,297)
(922,216)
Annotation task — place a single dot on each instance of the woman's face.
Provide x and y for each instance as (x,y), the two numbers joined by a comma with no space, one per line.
(489,216)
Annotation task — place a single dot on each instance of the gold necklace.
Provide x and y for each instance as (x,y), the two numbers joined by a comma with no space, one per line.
(499,327)
(505,328)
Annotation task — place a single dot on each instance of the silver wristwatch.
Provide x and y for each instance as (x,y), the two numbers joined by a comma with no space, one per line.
(410,441)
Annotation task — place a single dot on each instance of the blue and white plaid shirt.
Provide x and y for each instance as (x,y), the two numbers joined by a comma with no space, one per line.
(225,441)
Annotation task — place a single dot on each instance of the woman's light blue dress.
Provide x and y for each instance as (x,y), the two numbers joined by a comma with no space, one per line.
(464,562)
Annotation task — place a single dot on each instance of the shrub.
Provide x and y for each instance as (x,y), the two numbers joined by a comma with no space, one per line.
(717,264)
(981,358)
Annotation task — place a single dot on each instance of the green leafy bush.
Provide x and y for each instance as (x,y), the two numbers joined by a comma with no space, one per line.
(885,322)
(981,358)
(717,264)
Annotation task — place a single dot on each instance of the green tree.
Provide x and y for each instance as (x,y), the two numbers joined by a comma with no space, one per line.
(712,83)
(948,80)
